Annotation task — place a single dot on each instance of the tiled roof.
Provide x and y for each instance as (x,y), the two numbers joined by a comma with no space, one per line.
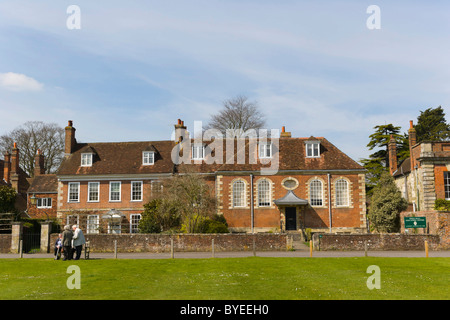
(46,183)
(126,158)
(119,158)
(403,168)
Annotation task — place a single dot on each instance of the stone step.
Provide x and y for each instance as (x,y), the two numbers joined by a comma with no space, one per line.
(299,246)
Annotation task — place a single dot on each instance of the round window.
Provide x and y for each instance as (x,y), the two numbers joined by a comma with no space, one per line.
(290,183)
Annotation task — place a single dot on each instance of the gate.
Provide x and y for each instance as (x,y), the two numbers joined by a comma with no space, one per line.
(31,240)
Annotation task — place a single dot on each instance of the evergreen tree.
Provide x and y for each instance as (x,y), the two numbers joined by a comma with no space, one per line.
(378,162)
(432,126)
(386,205)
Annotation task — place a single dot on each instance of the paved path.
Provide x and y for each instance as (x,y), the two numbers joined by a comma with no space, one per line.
(206,255)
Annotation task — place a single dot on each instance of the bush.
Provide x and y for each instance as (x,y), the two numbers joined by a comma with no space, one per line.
(387,203)
(7,199)
(442,205)
(308,234)
(159,216)
(214,224)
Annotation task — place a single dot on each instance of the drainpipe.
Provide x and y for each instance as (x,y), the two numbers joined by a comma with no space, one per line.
(417,206)
(329,199)
(251,202)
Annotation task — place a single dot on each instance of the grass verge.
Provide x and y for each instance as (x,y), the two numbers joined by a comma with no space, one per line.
(252,278)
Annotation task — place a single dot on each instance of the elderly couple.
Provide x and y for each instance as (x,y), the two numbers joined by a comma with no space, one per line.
(71,240)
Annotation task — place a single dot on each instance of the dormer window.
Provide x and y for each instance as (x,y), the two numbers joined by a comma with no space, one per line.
(312,149)
(198,152)
(86,159)
(265,150)
(148,158)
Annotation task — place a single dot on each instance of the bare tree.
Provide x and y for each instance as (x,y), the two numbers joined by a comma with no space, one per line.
(238,115)
(192,197)
(34,135)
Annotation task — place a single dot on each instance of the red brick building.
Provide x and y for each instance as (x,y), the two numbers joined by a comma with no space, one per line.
(43,192)
(308,182)
(424,176)
(15,177)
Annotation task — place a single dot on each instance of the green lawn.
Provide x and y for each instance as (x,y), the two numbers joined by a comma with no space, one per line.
(252,278)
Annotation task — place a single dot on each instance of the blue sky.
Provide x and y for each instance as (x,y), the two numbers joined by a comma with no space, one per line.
(135,67)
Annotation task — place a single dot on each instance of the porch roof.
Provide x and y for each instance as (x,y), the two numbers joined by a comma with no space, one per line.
(290,199)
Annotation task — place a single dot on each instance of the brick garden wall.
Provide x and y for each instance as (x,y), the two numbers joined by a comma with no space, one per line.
(184,242)
(5,243)
(438,223)
(391,241)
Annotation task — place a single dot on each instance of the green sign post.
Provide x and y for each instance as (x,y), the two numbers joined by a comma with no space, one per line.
(415,222)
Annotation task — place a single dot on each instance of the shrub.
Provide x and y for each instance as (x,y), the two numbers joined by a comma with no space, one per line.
(213,224)
(216,224)
(442,205)
(158,216)
(7,199)
(387,203)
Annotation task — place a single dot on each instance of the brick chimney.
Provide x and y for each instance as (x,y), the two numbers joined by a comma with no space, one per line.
(180,131)
(70,140)
(15,168)
(392,155)
(284,134)
(412,142)
(39,163)
(7,168)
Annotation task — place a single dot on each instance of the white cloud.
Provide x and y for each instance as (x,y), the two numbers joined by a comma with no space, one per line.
(19,82)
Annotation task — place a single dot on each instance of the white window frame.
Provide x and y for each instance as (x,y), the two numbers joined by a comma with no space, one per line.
(447,185)
(44,203)
(260,201)
(86,159)
(155,183)
(120,191)
(195,152)
(240,193)
(69,193)
(148,158)
(313,149)
(265,150)
(315,197)
(92,228)
(133,224)
(346,197)
(132,190)
(89,192)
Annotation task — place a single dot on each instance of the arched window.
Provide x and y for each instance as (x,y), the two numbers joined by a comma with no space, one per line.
(239,194)
(341,187)
(263,193)
(316,193)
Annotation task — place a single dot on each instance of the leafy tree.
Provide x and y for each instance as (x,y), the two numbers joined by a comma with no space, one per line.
(386,205)
(186,205)
(159,215)
(432,126)
(7,199)
(193,199)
